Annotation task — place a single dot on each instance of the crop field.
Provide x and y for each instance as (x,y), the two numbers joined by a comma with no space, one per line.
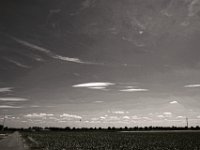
(100,140)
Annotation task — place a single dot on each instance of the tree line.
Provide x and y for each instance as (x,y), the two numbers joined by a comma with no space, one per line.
(147,128)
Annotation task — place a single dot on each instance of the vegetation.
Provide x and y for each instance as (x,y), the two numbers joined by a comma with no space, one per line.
(110,140)
(150,128)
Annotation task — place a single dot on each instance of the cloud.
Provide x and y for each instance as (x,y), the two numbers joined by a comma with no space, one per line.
(146,118)
(35,106)
(97,88)
(94,85)
(38,115)
(76,60)
(126,117)
(134,90)
(180,117)
(7,106)
(6,89)
(87,3)
(50,53)
(70,116)
(173,102)
(33,46)
(160,116)
(167,114)
(193,8)
(98,101)
(192,86)
(118,112)
(18,63)
(102,117)
(13,99)
(135,117)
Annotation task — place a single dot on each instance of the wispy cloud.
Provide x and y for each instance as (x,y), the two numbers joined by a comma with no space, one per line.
(167,114)
(173,102)
(97,88)
(180,117)
(50,53)
(6,89)
(7,106)
(33,46)
(70,116)
(192,85)
(118,112)
(134,90)
(13,99)
(193,8)
(38,115)
(126,117)
(18,63)
(98,101)
(94,85)
(76,60)
(135,117)
(160,116)
(35,106)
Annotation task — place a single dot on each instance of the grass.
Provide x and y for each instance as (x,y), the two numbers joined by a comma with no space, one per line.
(91,140)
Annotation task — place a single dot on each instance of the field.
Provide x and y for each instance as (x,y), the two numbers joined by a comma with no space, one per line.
(4,134)
(100,140)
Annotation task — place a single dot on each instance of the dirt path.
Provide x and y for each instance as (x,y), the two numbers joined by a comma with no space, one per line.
(13,142)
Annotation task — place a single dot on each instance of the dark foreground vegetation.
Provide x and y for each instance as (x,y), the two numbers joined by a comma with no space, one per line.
(112,140)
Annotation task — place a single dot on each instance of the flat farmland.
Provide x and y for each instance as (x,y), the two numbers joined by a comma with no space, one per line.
(102,140)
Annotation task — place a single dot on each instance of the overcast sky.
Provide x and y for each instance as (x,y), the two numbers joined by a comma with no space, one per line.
(99,62)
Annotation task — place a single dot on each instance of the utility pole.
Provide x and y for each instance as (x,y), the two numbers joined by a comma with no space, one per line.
(187,122)
(4,120)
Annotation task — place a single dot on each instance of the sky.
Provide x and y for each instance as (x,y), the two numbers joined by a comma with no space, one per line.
(99,63)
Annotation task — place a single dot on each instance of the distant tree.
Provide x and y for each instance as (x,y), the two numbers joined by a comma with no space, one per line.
(109,128)
(35,128)
(113,128)
(1,127)
(67,128)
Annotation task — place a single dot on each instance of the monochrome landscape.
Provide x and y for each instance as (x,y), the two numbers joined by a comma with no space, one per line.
(100,74)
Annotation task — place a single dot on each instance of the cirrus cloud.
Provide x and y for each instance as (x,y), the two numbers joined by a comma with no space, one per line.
(49,53)
(94,84)
(192,85)
(7,106)
(13,99)
(134,90)
(173,102)
(6,89)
